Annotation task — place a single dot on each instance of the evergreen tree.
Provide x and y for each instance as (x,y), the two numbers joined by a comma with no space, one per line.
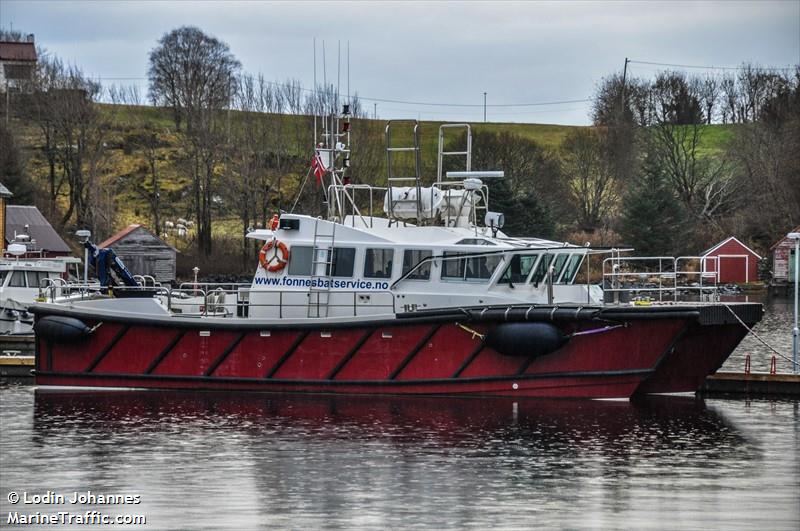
(651,215)
(519,194)
(12,169)
(525,214)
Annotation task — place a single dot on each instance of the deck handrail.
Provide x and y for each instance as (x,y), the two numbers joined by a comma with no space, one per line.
(666,276)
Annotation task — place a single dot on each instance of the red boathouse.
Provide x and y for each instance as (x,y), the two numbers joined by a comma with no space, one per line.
(732,261)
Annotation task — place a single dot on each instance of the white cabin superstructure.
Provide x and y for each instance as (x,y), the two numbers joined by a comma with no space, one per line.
(382,269)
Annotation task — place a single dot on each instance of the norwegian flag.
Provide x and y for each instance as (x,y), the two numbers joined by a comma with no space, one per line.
(318,167)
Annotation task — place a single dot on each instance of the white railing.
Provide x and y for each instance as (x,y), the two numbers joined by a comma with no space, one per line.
(228,299)
(667,277)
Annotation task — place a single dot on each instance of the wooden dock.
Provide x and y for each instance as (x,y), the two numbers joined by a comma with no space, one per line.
(16,366)
(752,384)
(16,356)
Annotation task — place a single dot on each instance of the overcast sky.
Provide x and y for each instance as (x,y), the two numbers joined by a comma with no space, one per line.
(438,52)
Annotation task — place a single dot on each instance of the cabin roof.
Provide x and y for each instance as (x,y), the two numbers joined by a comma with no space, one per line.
(777,243)
(5,192)
(128,230)
(39,229)
(723,242)
(407,236)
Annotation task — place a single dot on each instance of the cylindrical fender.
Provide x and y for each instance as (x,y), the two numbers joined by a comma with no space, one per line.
(61,328)
(525,339)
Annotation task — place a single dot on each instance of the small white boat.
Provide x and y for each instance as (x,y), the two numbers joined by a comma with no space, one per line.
(21,281)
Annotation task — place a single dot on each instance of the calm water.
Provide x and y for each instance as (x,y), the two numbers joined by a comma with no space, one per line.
(775,328)
(258,461)
(209,460)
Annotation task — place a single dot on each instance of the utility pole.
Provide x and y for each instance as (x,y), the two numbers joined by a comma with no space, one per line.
(622,95)
(484,107)
(375,110)
(795,331)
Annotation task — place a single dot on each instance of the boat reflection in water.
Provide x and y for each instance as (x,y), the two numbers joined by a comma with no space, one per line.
(333,416)
(311,460)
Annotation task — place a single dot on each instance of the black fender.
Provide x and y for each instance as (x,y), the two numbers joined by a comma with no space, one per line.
(525,339)
(61,328)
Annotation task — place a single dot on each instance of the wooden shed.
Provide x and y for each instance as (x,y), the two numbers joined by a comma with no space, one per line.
(732,261)
(783,259)
(26,224)
(143,253)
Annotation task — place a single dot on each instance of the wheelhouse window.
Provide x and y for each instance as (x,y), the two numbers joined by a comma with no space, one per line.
(558,265)
(412,257)
(519,268)
(541,269)
(300,263)
(453,269)
(17,280)
(571,268)
(343,262)
(475,268)
(36,278)
(378,263)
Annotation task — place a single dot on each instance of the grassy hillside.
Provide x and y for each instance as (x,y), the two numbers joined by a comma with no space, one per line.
(125,164)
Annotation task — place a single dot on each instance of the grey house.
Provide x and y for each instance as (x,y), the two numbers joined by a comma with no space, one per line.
(143,252)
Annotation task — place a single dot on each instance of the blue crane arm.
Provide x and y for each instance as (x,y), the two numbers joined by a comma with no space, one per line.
(109,268)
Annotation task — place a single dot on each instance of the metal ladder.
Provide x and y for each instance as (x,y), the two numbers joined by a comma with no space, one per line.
(440,166)
(393,179)
(443,153)
(321,257)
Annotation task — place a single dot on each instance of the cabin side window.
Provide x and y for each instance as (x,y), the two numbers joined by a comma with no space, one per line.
(453,269)
(17,280)
(300,263)
(541,269)
(343,262)
(378,263)
(411,258)
(475,268)
(518,269)
(571,268)
(36,278)
(558,265)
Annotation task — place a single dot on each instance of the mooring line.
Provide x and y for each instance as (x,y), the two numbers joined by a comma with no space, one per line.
(750,330)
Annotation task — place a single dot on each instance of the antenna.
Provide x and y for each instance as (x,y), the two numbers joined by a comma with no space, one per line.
(338,73)
(348,73)
(314,94)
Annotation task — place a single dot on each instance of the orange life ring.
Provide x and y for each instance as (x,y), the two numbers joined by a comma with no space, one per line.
(279,258)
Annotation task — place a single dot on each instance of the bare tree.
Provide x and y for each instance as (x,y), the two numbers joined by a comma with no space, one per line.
(703,182)
(709,89)
(292,93)
(675,99)
(73,137)
(767,153)
(193,73)
(590,176)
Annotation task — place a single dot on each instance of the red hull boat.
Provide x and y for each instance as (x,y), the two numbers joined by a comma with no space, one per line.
(605,353)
